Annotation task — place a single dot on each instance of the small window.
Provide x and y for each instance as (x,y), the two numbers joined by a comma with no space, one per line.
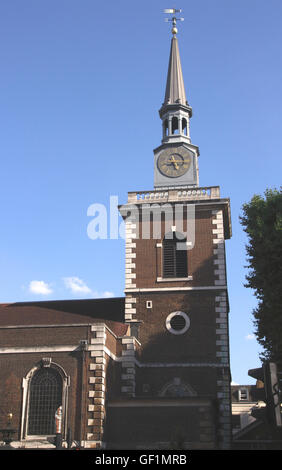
(149,304)
(177,323)
(243,394)
(174,259)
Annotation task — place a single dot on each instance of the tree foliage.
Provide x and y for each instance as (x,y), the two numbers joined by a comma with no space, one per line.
(262,222)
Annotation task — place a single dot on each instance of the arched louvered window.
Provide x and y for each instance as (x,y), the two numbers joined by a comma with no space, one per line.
(45,398)
(174,259)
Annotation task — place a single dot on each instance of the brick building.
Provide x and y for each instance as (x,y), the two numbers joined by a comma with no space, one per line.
(151,369)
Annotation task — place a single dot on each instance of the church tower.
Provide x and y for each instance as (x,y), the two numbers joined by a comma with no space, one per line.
(175,368)
(151,369)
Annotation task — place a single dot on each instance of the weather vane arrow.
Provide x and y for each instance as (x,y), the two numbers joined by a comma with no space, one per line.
(172,11)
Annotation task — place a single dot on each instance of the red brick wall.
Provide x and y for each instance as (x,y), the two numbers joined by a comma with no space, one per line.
(159,345)
(14,367)
(38,336)
(161,427)
(201,380)
(200,258)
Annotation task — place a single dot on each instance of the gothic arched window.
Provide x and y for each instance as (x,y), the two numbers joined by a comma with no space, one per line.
(45,398)
(174,258)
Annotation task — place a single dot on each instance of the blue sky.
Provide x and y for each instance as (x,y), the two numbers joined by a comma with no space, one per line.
(81,85)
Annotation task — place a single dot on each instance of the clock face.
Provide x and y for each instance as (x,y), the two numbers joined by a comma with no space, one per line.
(174,162)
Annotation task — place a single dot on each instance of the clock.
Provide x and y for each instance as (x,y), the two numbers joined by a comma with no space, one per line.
(174,162)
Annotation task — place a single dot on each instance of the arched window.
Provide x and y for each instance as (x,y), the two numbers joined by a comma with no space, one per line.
(177,388)
(166,128)
(45,398)
(184,126)
(180,390)
(175,128)
(174,259)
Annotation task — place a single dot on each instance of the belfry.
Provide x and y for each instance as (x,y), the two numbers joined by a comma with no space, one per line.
(149,370)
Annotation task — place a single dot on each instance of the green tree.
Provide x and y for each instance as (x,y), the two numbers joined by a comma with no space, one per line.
(262,222)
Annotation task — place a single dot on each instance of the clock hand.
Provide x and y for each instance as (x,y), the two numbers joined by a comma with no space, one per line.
(174,162)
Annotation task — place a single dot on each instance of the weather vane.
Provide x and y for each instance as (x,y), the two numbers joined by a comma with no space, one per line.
(173,19)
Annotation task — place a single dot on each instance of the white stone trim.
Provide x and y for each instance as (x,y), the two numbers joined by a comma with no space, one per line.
(222,328)
(130,269)
(91,444)
(130,275)
(67,325)
(98,351)
(219,251)
(130,245)
(174,279)
(39,349)
(172,330)
(130,307)
(178,364)
(128,365)
(223,385)
(157,402)
(222,285)
(130,310)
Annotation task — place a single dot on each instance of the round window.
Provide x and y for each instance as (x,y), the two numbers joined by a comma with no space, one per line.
(177,323)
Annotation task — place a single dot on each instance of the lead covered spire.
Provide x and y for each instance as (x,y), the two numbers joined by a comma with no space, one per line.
(175,90)
(175,111)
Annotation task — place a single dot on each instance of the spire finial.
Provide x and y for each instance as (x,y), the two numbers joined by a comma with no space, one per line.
(173,19)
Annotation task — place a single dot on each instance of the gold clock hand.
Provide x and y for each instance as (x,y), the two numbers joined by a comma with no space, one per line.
(174,162)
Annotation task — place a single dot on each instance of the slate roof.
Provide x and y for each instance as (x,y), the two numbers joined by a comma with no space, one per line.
(63,312)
